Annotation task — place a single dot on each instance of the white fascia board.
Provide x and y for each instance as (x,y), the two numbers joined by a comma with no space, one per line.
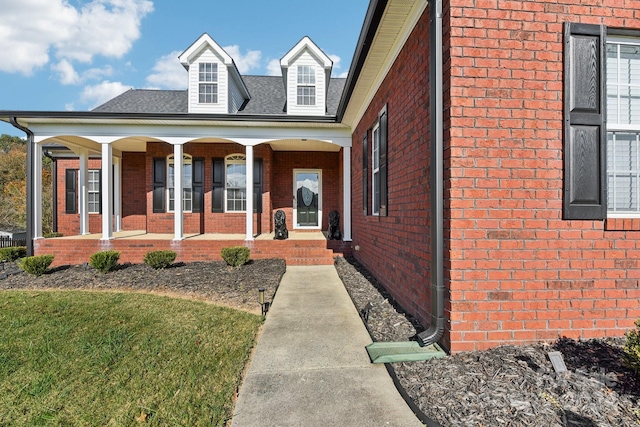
(186,58)
(306,43)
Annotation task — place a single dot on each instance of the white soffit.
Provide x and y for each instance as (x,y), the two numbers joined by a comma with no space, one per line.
(396,25)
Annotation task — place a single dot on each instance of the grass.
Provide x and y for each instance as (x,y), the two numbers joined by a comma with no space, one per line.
(95,358)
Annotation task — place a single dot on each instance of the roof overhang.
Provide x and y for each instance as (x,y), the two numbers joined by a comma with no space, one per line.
(387,26)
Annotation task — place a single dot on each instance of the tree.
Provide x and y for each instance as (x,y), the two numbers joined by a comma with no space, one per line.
(13,171)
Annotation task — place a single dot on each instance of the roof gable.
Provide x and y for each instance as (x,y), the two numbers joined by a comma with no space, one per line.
(306,44)
(204,41)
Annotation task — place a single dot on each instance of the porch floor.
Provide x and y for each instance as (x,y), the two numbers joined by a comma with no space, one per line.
(143,235)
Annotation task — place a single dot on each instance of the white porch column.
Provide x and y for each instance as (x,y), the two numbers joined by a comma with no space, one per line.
(37,191)
(346,182)
(107,191)
(117,192)
(83,202)
(249,192)
(178,220)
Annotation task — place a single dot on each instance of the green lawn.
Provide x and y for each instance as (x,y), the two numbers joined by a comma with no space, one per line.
(94,358)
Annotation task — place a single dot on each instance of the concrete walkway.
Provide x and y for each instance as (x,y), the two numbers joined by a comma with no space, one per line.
(311,368)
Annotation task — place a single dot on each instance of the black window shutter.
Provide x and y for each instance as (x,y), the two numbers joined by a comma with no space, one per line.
(71,191)
(217,192)
(382,120)
(198,185)
(257,186)
(159,180)
(365,174)
(585,133)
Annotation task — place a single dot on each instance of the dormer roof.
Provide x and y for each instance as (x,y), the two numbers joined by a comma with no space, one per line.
(187,57)
(306,43)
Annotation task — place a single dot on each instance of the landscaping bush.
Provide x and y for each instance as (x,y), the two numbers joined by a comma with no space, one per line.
(52,234)
(159,259)
(236,255)
(104,261)
(632,348)
(13,253)
(36,265)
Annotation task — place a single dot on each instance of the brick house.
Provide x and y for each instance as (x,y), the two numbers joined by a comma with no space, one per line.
(489,176)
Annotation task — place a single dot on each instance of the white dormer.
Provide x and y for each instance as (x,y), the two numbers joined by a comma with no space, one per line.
(306,71)
(215,84)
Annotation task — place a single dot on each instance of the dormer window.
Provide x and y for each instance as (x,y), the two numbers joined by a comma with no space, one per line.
(306,85)
(208,83)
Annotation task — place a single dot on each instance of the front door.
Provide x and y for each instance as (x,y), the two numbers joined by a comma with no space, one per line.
(307,198)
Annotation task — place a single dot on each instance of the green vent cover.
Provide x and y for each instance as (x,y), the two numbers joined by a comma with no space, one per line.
(409,351)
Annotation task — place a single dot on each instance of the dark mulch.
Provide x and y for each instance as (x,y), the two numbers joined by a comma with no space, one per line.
(509,385)
(212,281)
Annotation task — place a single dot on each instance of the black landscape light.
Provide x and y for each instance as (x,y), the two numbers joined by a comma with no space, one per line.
(263,305)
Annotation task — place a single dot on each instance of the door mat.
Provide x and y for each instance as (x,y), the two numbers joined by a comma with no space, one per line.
(409,351)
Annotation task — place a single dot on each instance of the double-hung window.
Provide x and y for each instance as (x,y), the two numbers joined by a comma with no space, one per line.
(623,126)
(236,183)
(375,169)
(187,183)
(208,83)
(306,85)
(94,191)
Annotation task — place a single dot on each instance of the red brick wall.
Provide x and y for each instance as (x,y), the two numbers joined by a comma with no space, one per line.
(282,192)
(69,224)
(277,190)
(518,272)
(396,248)
(134,210)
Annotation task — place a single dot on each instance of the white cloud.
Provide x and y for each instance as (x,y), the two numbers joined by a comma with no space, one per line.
(66,73)
(245,62)
(94,95)
(32,30)
(273,68)
(337,66)
(168,73)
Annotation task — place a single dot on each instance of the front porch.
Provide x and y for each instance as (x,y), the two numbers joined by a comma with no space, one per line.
(301,248)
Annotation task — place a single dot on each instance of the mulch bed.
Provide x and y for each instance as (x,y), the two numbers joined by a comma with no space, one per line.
(509,385)
(209,281)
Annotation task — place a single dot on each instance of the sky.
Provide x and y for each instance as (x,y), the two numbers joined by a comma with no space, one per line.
(73,55)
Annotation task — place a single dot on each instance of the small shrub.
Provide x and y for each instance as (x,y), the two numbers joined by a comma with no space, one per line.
(236,256)
(13,253)
(159,259)
(36,265)
(632,348)
(104,261)
(52,234)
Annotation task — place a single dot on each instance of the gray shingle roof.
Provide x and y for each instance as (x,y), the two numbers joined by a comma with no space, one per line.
(146,101)
(267,98)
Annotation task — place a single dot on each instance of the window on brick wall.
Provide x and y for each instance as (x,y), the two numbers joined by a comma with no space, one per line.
(236,183)
(187,183)
(94,191)
(623,126)
(379,186)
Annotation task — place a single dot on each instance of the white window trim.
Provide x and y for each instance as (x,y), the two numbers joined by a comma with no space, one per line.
(91,172)
(295,204)
(311,84)
(375,155)
(213,83)
(614,127)
(234,159)
(186,160)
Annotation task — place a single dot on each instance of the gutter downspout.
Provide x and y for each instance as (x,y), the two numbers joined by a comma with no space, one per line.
(29,183)
(436,328)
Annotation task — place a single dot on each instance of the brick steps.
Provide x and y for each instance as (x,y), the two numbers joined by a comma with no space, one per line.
(294,252)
